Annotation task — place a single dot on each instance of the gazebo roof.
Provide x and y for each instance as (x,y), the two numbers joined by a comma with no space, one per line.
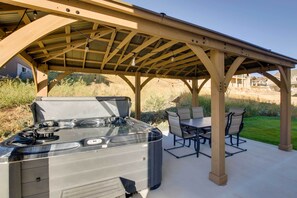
(101,46)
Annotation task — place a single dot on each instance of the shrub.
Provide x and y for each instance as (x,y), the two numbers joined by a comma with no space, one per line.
(14,92)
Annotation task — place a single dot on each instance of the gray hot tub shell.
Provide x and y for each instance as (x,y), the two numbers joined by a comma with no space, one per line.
(130,161)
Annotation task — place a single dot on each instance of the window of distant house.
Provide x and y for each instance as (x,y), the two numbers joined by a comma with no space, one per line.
(24,69)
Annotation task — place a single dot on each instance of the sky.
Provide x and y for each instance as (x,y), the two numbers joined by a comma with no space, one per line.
(271,24)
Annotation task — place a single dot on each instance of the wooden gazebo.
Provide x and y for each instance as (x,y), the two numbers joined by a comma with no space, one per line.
(111,37)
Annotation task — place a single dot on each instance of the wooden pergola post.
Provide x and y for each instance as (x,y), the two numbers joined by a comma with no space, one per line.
(285,109)
(217,174)
(195,102)
(42,80)
(137,95)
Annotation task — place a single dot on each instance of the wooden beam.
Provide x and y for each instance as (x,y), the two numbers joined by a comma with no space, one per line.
(236,63)
(42,80)
(217,174)
(188,85)
(56,54)
(109,45)
(64,35)
(189,72)
(145,82)
(128,82)
(206,62)
(33,65)
(120,46)
(121,56)
(57,79)
(182,59)
(284,79)
(137,95)
(15,42)
(155,51)
(195,102)
(285,111)
(170,54)
(202,84)
(98,71)
(170,29)
(272,78)
(139,48)
(27,20)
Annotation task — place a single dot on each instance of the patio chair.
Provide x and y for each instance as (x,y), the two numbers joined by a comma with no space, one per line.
(207,135)
(237,110)
(197,112)
(184,113)
(177,131)
(235,127)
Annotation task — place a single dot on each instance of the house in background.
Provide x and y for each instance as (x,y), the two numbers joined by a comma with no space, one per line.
(293,81)
(16,67)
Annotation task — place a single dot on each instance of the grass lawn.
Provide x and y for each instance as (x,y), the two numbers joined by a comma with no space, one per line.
(266,129)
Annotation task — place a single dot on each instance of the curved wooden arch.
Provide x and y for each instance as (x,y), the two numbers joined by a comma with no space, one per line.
(15,42)
(145,82)
(128,82)
(272,78)
(202,84)
(188,85)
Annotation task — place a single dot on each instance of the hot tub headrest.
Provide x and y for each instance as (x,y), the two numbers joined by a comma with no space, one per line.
(55,108)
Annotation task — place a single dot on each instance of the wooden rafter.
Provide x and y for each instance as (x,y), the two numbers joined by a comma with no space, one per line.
(188,73)
(121,56)
(108,48)
(173,30)
(81,61)
(56,54)
(98,71)
(27,20)
(183,60)
(181,67)
(182,57)
(139,48)
(167,55)
(14,43)
(155,47)
(120,46)
(155,51)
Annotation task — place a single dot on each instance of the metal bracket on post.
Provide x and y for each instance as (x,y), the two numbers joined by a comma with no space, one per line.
(222,86)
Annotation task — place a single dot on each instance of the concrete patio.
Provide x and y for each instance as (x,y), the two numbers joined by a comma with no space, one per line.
(262,171)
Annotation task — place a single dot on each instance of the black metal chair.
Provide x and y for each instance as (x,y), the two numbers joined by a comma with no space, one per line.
(235,127)
(177,131)
(207,135)
(237,110)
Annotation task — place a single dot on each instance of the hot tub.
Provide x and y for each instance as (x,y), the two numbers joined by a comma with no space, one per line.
(81,147)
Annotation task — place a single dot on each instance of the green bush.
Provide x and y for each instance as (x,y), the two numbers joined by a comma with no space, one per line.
(154,103)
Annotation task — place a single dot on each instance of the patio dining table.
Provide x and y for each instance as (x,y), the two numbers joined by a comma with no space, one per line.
(198,123)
